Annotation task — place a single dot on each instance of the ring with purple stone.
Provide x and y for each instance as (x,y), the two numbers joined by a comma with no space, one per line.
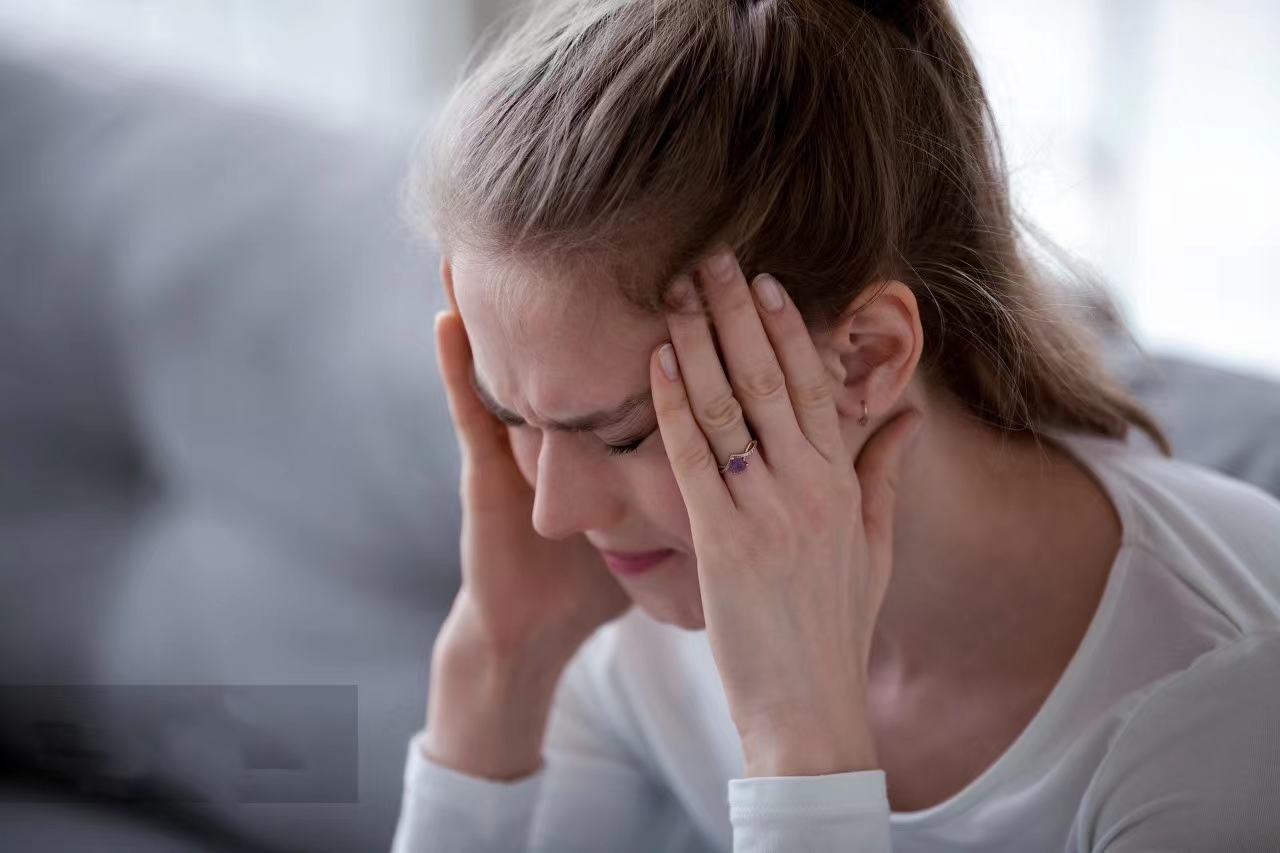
(738,461)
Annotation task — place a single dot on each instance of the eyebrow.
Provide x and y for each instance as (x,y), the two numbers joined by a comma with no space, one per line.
(588,423)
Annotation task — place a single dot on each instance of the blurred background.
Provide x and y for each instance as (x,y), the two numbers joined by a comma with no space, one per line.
(228,500)
(1142,134)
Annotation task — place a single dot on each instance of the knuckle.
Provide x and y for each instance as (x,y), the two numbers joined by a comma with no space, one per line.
(813,395)
(696,460)
(722,266)
(722,412)
(765,382)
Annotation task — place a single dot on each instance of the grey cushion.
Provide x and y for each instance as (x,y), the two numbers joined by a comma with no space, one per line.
(43,817)
(227,458)
(1225,420)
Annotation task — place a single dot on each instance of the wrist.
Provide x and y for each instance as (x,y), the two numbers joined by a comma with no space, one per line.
(487,713)
(805,747)
(470,637)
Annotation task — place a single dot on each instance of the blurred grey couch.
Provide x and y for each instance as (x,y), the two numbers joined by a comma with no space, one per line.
(225,461)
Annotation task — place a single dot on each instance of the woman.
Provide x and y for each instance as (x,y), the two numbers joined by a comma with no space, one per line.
(742,335)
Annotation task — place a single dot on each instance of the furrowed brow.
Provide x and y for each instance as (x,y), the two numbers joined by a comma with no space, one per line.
(588,423)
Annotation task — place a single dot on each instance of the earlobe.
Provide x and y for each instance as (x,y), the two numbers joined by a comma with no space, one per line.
(878,342)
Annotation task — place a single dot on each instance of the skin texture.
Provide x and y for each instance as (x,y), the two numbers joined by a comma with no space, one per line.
(941,565)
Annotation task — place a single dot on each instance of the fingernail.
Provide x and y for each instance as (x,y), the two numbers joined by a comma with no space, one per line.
(769,292)
(667,358)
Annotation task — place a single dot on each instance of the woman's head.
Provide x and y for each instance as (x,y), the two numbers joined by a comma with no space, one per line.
(605,145)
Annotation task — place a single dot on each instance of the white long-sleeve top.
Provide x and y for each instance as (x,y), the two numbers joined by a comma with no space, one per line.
(1162,734)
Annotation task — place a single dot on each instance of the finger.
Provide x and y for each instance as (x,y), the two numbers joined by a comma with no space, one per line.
(877,469)
(809,385)
(697,471)
(479,432)
(754,371)
(715,408)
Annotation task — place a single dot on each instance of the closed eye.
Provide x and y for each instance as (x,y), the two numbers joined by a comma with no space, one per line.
(614,449)
(630,447)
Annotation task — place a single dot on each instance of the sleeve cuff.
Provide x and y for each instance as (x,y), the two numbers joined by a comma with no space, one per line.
(444,809)
(423,774)
(784,798)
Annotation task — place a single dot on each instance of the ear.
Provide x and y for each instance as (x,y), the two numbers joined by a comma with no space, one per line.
(874,349)
(446,277)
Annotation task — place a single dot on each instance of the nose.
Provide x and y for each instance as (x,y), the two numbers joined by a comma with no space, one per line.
(571,494)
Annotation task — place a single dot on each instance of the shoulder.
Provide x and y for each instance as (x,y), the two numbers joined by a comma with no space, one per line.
(1197,764)
(1218,534)
(1159,485)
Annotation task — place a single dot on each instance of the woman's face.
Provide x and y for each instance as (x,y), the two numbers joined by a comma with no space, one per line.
(565,363)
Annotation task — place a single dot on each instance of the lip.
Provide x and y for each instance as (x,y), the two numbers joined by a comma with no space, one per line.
(630,564)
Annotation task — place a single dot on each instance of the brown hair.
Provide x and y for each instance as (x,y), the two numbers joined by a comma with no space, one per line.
(834,144)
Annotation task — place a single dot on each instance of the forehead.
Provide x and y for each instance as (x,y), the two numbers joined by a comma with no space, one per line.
(553,341)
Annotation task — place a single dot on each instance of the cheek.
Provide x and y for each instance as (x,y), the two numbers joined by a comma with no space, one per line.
(656,489)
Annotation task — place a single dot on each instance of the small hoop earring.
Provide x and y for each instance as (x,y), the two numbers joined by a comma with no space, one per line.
(865,419)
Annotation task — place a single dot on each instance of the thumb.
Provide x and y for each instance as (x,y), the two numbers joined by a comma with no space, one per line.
(877,469)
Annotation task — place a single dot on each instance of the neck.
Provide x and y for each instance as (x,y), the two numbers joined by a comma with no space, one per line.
(1002,548)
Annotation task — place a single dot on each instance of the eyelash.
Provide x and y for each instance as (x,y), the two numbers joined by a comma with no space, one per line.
(614,449)
(622,449)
